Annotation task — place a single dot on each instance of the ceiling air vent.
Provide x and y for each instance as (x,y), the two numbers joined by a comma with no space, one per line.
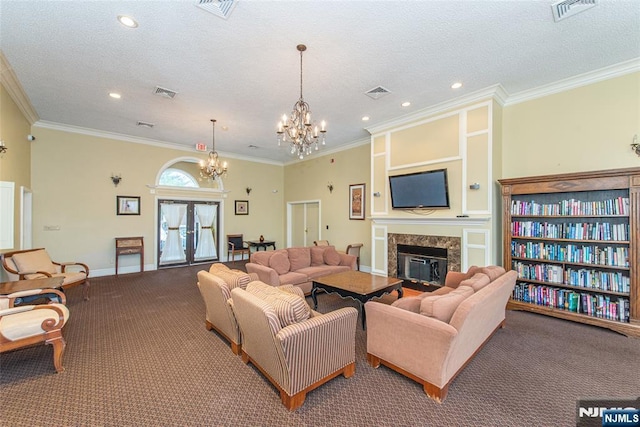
(167,93)
(567,8)
(145,124)
(377,92)
(221,8)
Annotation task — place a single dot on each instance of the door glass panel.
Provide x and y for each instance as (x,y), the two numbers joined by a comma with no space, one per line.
(173,233)
(205,231)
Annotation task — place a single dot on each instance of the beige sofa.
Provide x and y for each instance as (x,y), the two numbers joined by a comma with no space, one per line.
(430,338)
(299,266)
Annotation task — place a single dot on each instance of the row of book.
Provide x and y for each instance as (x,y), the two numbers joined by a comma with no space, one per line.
(615,206)
(596,279)
(601,306)
(573,230)
(571,253)
(581,277)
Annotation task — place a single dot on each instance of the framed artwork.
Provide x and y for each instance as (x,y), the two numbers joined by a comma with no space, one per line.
(127,205)
(242,207)
(356,201)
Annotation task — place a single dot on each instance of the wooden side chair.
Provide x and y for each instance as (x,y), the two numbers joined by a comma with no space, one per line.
(354,249)
(236,245)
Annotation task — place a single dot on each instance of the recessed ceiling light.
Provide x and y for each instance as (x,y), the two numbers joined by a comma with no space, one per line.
(115,95)
(127,21)
(365,119)
(406,104)
(456,85)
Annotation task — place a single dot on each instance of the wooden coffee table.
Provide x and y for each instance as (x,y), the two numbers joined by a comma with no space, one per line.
(356,285)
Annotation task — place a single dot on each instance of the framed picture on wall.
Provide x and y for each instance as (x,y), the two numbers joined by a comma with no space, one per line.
(356,201)
(242,207)
(127,205)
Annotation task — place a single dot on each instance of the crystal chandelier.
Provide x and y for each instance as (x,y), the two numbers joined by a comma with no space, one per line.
(297,129)
(211,168)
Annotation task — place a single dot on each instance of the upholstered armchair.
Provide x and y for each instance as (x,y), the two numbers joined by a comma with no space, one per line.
(36,263)
(26,325)
(295,348)
(215,286)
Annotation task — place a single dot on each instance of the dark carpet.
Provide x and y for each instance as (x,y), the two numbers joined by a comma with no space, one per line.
(138,354)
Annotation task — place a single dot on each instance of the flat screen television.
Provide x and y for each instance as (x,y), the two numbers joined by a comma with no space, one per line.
(421,190)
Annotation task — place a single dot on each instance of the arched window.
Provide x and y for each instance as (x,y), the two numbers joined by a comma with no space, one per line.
(177,178)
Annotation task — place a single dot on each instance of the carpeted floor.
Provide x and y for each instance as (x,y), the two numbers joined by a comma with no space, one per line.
(138,354)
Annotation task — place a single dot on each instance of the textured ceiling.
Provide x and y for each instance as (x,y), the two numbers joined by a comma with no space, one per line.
(244,71)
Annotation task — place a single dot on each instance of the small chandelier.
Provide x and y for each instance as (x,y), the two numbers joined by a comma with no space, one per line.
(297,129)
(211,168)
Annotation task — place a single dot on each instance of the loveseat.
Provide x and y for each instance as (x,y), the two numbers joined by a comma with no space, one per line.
(431,337)
(299,266)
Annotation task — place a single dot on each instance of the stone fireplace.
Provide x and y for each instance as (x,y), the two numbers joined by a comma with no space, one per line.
(430,250)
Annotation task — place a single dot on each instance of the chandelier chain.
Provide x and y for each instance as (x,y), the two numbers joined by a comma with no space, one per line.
(297,129)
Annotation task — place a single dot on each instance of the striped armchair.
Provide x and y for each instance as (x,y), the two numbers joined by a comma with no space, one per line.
(215,286)
(300,356)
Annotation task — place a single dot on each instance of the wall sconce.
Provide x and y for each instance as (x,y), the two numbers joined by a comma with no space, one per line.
(635,146)
(330,187)
(248,190)
(3,148)
(116,179)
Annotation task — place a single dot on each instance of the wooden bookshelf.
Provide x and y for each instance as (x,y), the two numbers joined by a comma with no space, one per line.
(573,239)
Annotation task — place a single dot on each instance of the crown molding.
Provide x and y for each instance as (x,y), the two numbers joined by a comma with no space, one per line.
(606,73)
(44,124)
(11,83)
(495,92)
(357,143)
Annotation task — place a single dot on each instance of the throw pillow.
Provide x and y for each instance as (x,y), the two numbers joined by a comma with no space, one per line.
(299,258)
(30,262)
(408,303)
(331,256)
(477,282)
(317,255)
(442,307)
(280,263)
(290,308)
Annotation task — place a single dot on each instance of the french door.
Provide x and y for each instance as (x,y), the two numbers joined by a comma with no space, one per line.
(188,232)
(303,223)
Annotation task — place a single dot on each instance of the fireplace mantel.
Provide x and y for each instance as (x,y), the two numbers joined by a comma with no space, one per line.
(386,220)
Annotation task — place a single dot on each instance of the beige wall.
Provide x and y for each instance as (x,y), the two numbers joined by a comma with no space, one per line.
(308,180)
(73,191)
(15,165)
(583,129)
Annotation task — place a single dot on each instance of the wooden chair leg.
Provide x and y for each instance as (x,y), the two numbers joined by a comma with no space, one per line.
(58,350)
(236,348)
(86,290)
(349,370)
(436,393)
(374,361)
(293,402)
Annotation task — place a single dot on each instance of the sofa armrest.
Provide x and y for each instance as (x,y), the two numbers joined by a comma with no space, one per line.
(308,356)
(349,260)
(416,343)
(265,274)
